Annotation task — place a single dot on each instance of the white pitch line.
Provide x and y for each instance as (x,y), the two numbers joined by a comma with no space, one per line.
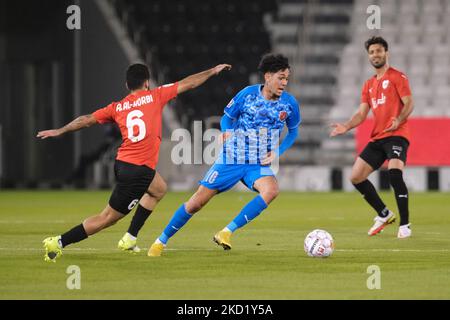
(217,249)
(32,222)
(97,250)
(42,249)
(392,250)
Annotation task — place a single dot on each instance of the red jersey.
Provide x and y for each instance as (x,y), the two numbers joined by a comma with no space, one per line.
(139,117)
(384,98)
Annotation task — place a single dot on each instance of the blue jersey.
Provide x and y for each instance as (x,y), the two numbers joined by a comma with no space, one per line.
(258,124)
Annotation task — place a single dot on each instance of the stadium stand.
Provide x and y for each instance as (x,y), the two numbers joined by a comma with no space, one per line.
(417,32)
(239,33)
(323,39)
(313,34)
(180,37)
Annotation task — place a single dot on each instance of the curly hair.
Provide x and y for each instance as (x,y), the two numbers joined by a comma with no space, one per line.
(273,63)
(376,40)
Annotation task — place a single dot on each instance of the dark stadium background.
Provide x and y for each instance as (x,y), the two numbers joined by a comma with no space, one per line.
(50,74)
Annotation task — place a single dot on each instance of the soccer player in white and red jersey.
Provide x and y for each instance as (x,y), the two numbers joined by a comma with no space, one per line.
(389,97)
(139,117)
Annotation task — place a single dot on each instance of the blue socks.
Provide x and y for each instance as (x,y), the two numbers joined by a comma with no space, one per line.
(249,213)
(179,219)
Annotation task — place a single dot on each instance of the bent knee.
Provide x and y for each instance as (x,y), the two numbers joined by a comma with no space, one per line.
(357,179)
(159,193)
(194,206)
(270,195)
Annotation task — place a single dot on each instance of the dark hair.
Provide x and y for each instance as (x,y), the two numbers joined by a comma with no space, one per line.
(376,40)
(273,63)
(137,74)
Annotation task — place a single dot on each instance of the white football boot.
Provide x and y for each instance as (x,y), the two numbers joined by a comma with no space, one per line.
(404,231)
(381,223)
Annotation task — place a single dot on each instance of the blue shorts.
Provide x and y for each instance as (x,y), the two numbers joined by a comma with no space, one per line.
(223,177)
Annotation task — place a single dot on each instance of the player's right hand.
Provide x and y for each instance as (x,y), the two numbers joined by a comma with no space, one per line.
(218,69)
(338,129)
(48,134)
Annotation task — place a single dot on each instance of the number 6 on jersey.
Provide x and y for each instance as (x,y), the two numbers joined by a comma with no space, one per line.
(134,120)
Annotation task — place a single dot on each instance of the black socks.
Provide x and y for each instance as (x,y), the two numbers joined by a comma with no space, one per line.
(75,235)
(367,189)
(138,220)
(401,194)
(369,192)
(78,233)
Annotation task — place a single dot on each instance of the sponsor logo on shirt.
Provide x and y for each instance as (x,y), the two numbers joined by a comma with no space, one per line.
(283,115)
(376,103)
(385,84)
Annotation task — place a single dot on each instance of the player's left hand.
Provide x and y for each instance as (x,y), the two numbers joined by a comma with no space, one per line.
(271,156)
(218,69)
(394,125)
(337,129)
(48,134)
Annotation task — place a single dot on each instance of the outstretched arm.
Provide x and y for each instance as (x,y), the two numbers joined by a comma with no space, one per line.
(356,120)
(77,124)
(198,79)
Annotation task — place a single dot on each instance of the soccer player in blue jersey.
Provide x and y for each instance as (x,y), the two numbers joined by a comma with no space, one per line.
(251,126)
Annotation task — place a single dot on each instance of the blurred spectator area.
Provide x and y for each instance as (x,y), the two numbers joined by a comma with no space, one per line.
(313,33)
(182,37)
(178,38)
(418,33)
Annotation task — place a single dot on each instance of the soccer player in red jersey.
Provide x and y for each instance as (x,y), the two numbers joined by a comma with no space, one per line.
(389,97)
(139,117)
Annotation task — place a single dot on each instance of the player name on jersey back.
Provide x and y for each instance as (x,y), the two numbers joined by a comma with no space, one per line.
(127,105)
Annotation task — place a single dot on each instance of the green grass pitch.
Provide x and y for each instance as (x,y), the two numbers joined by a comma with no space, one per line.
(267,260)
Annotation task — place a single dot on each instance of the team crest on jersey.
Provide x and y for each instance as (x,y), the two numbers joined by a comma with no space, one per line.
(385,84)
(283,115)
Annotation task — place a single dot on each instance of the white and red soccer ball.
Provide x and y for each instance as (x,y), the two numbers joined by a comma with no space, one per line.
(319,244)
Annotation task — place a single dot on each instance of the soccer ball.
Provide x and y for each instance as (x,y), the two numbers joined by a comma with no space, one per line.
(319,243)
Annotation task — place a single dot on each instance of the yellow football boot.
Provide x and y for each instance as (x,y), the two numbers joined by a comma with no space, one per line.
(156,250)
(128,245)
(223,238)
(53,248)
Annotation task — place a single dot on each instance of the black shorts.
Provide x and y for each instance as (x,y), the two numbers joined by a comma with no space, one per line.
(377,152)
(132,182)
